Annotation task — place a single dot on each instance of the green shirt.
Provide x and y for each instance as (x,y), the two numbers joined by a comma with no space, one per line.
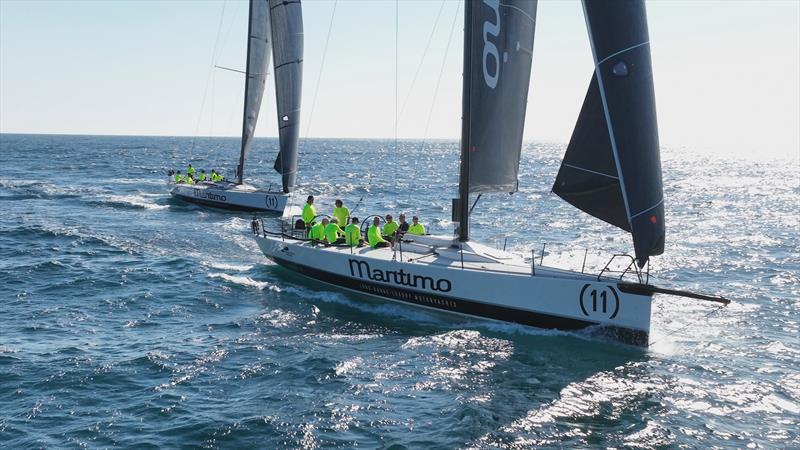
(178,178)
(416,229)
(317,232)
(342,214)
(374,235)
(309,213)
(390,228)
(352,235)
(190,170)
(201,177)
(332,232)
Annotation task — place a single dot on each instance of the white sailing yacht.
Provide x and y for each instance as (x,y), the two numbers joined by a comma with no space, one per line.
(273,26)
(611,170)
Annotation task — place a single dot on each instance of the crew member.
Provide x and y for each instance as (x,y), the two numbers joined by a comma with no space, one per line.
(374,235)
(202,176)
(309,212)
(215,176)
(190,171)
(352,233)
(317,232)
(178,177)
(341,212)
(416,227)
(403,224)
(189,178)
(389,228)
(334,233)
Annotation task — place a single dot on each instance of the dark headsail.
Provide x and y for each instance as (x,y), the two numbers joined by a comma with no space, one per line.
(287,45)
(498,46)
(258,53)
(612,167)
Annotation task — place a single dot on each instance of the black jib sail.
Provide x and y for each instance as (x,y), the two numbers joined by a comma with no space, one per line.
(612,167)
(287,45)
(258,53)
(498,46)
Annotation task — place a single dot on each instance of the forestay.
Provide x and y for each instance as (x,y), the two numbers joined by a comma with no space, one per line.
(612,167)
(258,54)
(498,51)
(287,44)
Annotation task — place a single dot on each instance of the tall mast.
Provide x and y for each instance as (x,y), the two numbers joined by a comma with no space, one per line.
(243,152)
(466,123)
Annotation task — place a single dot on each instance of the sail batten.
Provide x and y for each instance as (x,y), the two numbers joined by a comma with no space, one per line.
(258,56)
(287,42)
(616,132)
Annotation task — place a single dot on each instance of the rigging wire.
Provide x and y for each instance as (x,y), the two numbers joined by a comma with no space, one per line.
(439,79)
(210,72)
(396,65)
(396,96)
(316,88)
(319,76)
(422,59)
(436,89)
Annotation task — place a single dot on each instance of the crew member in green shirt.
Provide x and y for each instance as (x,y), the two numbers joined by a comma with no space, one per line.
(309,212)
(202,176)
(352,233)
(374,235)
(341,212)
(317,232)
(333,232)
(178,177)
(416,227)
(190,171)
(389,228)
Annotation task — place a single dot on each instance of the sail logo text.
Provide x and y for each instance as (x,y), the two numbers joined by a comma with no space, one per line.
(201,193)
(489,49)
(399,277)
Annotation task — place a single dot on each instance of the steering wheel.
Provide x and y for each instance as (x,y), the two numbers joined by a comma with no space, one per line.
(367,222)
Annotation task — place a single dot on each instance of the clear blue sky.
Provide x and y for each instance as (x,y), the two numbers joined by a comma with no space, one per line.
(727,72)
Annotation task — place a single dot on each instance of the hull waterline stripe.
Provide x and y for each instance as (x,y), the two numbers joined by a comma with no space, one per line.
(462,306)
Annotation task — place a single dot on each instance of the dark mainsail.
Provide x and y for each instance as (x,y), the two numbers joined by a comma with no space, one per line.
(498,46)
(287,45)
(612,167)
(258,54)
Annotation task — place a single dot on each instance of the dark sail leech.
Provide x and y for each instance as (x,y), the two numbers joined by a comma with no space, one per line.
(612,167)
(258,55)
(287,45)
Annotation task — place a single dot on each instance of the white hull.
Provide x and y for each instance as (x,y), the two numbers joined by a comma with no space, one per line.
(230,196)
(489,283)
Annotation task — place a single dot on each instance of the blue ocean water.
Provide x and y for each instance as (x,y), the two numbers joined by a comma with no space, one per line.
(129,319)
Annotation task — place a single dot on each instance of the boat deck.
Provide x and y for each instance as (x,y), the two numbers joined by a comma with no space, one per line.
(227,186)
(440,251)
